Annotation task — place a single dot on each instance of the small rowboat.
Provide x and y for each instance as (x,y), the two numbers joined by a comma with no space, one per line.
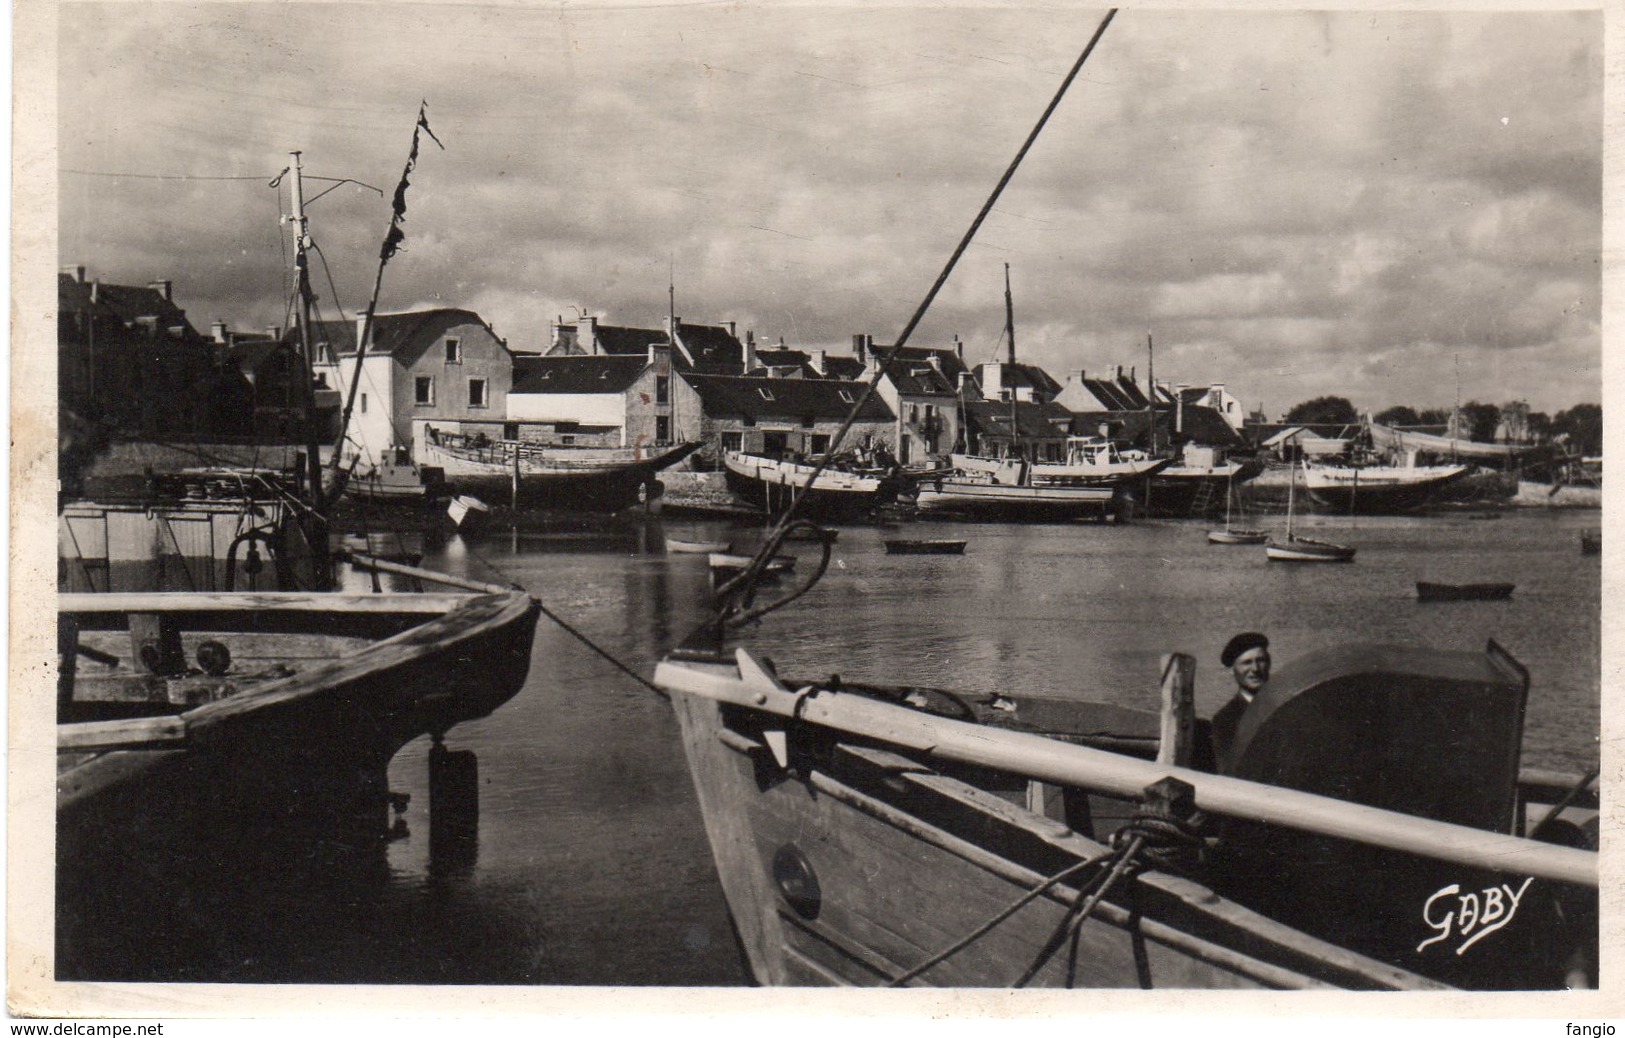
(925,547)
(728,562)
(1429,592)
(1237,536)
(1302,549)
(682,547)
(820,535)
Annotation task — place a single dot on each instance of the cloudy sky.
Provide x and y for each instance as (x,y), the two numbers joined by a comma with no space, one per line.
(1378,205)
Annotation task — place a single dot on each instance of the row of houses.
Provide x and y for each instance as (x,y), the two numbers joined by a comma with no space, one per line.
(131,358)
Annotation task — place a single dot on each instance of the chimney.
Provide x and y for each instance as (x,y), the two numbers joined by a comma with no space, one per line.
(935,359)
(217,331)
(587,335)
(163,288)
(747,359)
(95,291)
(959,348)
(274,331)
(730,325)
(817,361)
(858,349)
(78,272)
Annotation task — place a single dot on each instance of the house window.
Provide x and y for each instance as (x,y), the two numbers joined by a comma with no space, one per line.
(733,441)
(817,443)
(662,389)
(454,351)
(913,413)
(476,392)
(662,428)
(321,379)
(363,403)
(423,389)
(510,430)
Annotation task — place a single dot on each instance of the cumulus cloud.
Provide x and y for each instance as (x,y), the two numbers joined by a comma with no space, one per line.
(1294,203)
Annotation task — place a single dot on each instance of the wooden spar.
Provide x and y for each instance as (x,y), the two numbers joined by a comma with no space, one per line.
(1178,731)
(383,566)
(1048,760)
(245,603)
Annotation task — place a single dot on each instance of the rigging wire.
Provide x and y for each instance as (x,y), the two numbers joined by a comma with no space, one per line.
(149,176)
(727,608)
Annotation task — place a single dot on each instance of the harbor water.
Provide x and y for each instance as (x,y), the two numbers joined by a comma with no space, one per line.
(591,866)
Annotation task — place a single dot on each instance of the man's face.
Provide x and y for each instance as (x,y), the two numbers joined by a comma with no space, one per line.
(1252,670)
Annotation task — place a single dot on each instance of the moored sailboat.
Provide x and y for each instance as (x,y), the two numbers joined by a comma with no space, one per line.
(1293,548)
(544,476)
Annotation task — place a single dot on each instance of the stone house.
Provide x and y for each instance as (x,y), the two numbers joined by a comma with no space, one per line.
(442,365)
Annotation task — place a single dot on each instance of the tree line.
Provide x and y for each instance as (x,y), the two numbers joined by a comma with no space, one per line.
(1578,428)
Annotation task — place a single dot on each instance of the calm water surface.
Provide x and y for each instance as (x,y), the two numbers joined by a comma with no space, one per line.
(591,865)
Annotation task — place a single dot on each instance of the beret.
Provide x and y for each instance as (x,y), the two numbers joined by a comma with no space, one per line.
(1240,644)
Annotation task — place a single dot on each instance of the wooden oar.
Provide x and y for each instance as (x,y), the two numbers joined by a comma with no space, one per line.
(384,566)
(1048,760)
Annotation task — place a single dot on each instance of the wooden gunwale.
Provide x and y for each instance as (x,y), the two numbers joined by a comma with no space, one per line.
(1048,760)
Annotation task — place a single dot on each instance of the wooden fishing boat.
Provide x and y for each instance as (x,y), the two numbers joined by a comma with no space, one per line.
(180,706)
(1089,461)
(1377,489)
(874,835)
(397,481)
(980,497)
(678,546)
(560,478)
(770,484)
(1427,591)
(925,547)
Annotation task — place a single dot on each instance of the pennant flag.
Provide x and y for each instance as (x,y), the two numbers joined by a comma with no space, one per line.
(392,240)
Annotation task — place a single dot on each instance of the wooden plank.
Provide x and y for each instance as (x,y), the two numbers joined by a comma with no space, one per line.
(273,601)
(1048,760)
(1178,733)
(139,732)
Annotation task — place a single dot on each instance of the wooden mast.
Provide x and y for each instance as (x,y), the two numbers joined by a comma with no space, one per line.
(1010,352)
(313,462)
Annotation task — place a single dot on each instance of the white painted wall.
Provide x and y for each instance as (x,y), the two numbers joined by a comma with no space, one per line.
(371,432)
(586,408)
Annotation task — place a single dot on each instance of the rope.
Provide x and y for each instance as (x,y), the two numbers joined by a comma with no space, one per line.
(1149,838)
(566,626)
(981,931)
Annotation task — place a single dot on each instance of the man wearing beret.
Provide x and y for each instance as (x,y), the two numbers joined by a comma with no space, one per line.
(1248,657)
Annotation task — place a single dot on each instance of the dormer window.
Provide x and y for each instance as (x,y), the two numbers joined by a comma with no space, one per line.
(767,394)
(454,351)
(846,394)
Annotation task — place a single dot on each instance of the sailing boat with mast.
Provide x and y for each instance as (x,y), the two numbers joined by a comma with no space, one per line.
(1303,549)
(1232,534)
(200,710)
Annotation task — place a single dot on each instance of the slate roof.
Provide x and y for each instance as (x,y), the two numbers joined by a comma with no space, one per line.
(1201,425)
(952,365)
(125,303)
(786,398)
(1033,421)
(405,336)
(602,374)
(913,378)
(843,367)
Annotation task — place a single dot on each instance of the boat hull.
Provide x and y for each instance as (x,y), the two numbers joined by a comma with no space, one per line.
(1378,491)
(901,547)
(825,871)
(1303,550)
(561,479)
(1237,537)
(1432,592)
(993,501)
(772,486)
